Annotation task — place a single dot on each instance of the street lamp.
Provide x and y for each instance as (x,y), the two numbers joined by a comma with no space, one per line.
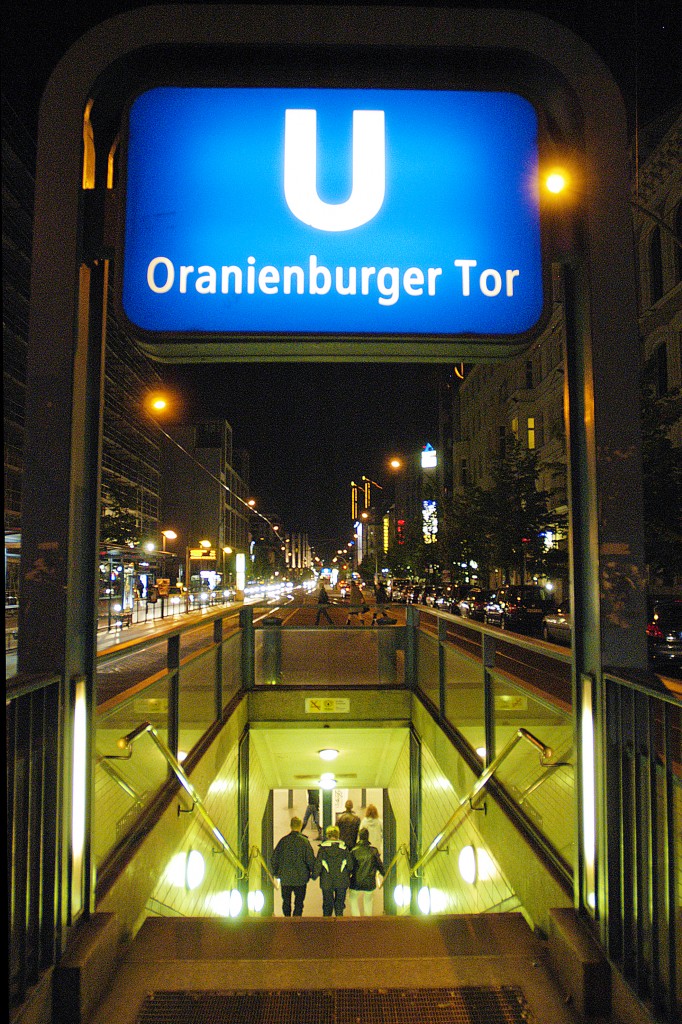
(167,535)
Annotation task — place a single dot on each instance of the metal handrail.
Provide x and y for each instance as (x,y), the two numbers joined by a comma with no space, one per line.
(401,852)
(118,778)
(256,855)
(126,743)
(550,769)
(468,803)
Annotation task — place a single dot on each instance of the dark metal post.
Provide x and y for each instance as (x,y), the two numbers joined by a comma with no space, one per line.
(218,641)
(489,648)
(173,662)
(411,650)
(442,636)
(248,648)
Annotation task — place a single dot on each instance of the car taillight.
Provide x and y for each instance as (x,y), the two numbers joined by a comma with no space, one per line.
(653,630)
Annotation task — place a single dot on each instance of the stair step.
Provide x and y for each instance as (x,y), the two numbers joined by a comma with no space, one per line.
(180,962)
(383,938)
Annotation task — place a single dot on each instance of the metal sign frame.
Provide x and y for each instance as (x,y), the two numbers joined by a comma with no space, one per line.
(181,221)
(79,123)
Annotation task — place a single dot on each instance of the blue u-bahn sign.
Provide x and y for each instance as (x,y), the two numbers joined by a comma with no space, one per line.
(319,212)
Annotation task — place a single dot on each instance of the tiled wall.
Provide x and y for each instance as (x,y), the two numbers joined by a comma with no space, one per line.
(449,892)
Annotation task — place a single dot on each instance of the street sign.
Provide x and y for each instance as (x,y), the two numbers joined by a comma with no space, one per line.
(201,553)
(330,212)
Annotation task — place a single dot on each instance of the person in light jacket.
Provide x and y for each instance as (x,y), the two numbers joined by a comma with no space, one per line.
(333,866)
(375,826)
(363,879)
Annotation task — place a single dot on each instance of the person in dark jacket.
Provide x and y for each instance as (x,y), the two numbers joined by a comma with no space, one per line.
(293,861)
(313,811)
(322,602)
(363,879)
(348,825)
(333,866)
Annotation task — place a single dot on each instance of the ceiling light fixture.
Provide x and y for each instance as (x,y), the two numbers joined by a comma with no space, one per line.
(328,754)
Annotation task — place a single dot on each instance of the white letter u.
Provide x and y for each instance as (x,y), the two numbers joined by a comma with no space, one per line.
(300,171)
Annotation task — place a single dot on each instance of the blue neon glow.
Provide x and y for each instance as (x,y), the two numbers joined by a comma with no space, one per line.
(451,243)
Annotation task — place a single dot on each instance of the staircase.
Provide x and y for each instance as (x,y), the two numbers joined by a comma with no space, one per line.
(384,970)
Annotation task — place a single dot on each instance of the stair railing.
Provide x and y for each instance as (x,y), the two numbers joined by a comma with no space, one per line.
(126,743)
(469,803)
(257,856)
(114,774)
(401,852)
(549,771)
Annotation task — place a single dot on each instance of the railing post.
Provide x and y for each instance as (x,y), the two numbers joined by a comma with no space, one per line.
(442,637)
(248,648)
(272,650)
(411,630)
(173,658)
(218,688)
(489,648)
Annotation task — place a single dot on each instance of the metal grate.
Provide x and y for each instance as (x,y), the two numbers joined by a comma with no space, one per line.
(470,1005)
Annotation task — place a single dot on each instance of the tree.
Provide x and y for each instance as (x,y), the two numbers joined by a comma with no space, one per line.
(505,527)
(518,514)
(468,538)
(118,525)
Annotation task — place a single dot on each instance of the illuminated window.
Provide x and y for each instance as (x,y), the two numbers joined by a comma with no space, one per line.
(515,427)
(531,432)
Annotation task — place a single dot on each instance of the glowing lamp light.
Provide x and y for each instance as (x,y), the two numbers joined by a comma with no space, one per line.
(328,754)
(466,862)
(195,869)
(186,870)
(556,182)
(481,752)
(236,903)
(328,780)
(255,901)
(78,791)
(401,895)
(424,899)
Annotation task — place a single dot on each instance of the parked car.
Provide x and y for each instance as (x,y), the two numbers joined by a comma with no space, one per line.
(664,636)
(472,605)
(557,626)
(398,590)
(520,609)
(431,595)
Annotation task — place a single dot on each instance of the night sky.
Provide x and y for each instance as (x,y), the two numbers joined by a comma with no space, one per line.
(310,429)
